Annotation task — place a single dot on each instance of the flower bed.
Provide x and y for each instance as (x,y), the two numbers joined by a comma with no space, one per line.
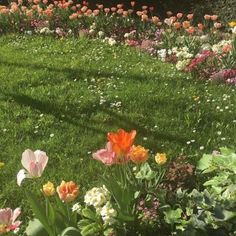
(203,48)
(138,194)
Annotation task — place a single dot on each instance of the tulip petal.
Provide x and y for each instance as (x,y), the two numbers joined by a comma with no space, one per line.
(41,157)
(28,156)
(16,213)
(21,176)
(5,216)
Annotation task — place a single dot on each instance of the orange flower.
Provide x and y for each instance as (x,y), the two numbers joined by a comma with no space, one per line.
(138,154)
(214,17)
(190,16)
(200,26)
(144,17)
(121,141)
(190,30)
(68,191)
(155,19)
(207,17)
(186,24)
(177,25)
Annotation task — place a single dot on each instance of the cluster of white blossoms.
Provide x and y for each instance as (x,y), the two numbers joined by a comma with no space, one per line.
(45,30)
(77,208)
(218,48)
(182,53)
(162,53)
(99,198)
(108,214)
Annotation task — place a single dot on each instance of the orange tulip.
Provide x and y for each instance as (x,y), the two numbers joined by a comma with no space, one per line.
(68,191)
(207,17)
(121,141)
(177,25)
(155,19)
(190,16)
(200,26)
(138,154)
(214,17)
(190,30)
(186,24)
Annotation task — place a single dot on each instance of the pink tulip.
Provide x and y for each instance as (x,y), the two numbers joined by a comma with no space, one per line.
(106,156)
(34,163)
(8,220)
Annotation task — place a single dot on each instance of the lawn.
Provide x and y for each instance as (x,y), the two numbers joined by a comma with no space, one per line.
(63,96)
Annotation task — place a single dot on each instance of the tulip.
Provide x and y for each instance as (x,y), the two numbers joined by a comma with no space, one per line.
(207,17)
(190,16)
(138,154)
(106,156)
(214,17)
(179,15)
(200,26)
(48,189)
(177,25)
(121,141)
(68,191)
(160,158)
(8,220)
(34,163)
(186,24)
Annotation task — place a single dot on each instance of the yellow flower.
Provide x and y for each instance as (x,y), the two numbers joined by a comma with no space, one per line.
(232,24)
(160,158)
(48,189)
(138,154)
(1,164)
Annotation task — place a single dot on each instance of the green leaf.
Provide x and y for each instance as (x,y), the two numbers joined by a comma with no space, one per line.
(205,163)
(88,213)
(91,229)
(70,231)
(82,223)
(173,216)
(51,213)
(146,172)
(35,228)
(39,211)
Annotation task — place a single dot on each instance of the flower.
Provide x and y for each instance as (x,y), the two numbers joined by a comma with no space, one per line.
(76,208)
(34,163)
(138,154)
(108,214)
(232,24)
(121,141)
(68,191)
(8,220)
(48,189)
(97,197)
(106,156)
(160,158)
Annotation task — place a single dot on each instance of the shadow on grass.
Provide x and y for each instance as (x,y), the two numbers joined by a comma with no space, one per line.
(72,72)
(73,117)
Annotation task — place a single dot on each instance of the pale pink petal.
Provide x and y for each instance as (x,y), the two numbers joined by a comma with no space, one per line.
(36,169)
(16,213)
(41,157)
(21,176)
(106,156)
(5,216)
(28,157)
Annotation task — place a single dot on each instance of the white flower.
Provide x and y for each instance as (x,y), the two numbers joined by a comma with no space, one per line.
(234,30)
(76,208)
(181,65)
(108,214)
(111,41)
(97,197)
(101,34)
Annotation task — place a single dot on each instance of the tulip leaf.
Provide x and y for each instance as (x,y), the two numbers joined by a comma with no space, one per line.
(91,229)
(35,228)
(70,231)
(39,211)
(89,214)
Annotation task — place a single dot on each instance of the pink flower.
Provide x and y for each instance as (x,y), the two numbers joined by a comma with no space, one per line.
(106,156)
(34,163)
(8,220)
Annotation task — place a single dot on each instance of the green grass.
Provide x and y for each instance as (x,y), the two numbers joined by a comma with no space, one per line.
(67,89)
